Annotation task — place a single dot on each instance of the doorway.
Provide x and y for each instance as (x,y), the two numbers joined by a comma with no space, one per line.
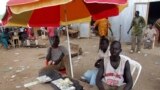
(154,12)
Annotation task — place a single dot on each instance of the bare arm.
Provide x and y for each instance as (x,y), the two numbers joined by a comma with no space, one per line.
(100,76)
(48,57)
(131,26)
(95,23)
(143,22)
(128,77)
(98,62)
(129,29)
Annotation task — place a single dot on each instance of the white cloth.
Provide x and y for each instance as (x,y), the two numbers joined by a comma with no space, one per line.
(43,29)
(21,29)
(114,77)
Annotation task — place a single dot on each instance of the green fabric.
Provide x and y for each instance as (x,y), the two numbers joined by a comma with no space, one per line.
(21,19)
(138,24)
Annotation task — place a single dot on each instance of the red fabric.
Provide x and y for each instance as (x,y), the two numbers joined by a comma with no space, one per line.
(1,24)
(50,31)
(63,71)
(107,1)
(18,2)
(28,31)
(99,11)
(49,16)
(7,15)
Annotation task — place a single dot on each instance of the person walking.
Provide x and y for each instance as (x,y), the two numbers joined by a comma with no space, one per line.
(103,26)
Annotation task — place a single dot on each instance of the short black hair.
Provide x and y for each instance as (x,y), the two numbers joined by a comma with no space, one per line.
(114,42)
(103,39)
(137,12)
(56,37)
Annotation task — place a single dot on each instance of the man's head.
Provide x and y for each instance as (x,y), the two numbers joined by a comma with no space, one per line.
(6,30)
(104,43)
(115,48)
(55,41)
(137,13)
(150,26)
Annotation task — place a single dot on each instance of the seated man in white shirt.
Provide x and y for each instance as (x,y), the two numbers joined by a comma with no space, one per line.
(114,73)
(149,34)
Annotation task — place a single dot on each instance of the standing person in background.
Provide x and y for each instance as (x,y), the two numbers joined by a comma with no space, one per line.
(51,34)
(138,23)
(1,30)
(23,35)
(150,34)
(7,34)
(28,31)
(4,39)
(103,26)
(157,26)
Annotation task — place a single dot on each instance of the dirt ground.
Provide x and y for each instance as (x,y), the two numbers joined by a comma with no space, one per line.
(21,65)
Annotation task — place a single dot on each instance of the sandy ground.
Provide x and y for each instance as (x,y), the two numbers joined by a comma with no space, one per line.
(21,65)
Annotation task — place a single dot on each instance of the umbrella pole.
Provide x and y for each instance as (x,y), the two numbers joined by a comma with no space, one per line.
(69,49)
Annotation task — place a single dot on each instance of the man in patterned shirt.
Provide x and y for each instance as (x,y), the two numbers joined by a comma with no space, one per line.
(138,23)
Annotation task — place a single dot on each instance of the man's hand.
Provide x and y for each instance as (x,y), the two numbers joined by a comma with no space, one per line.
(112,34)
(128,32)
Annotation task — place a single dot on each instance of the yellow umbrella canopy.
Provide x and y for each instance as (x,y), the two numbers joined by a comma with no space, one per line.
(122,7)
(22,7)
(52,16)
(75,11)
(20,19)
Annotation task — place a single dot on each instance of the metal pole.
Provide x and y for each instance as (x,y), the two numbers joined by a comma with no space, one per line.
(120,34)
(68,42)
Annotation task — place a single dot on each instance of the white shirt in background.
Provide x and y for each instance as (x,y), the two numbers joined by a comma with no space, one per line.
(102,55)
(150,33)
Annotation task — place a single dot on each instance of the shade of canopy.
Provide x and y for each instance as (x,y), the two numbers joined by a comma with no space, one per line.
(75,11)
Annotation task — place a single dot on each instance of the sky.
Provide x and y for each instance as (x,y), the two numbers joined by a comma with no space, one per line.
(2,6)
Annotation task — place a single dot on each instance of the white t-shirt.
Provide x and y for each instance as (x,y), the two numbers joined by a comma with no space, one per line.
(101,54)
(114,77)
(43,29)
